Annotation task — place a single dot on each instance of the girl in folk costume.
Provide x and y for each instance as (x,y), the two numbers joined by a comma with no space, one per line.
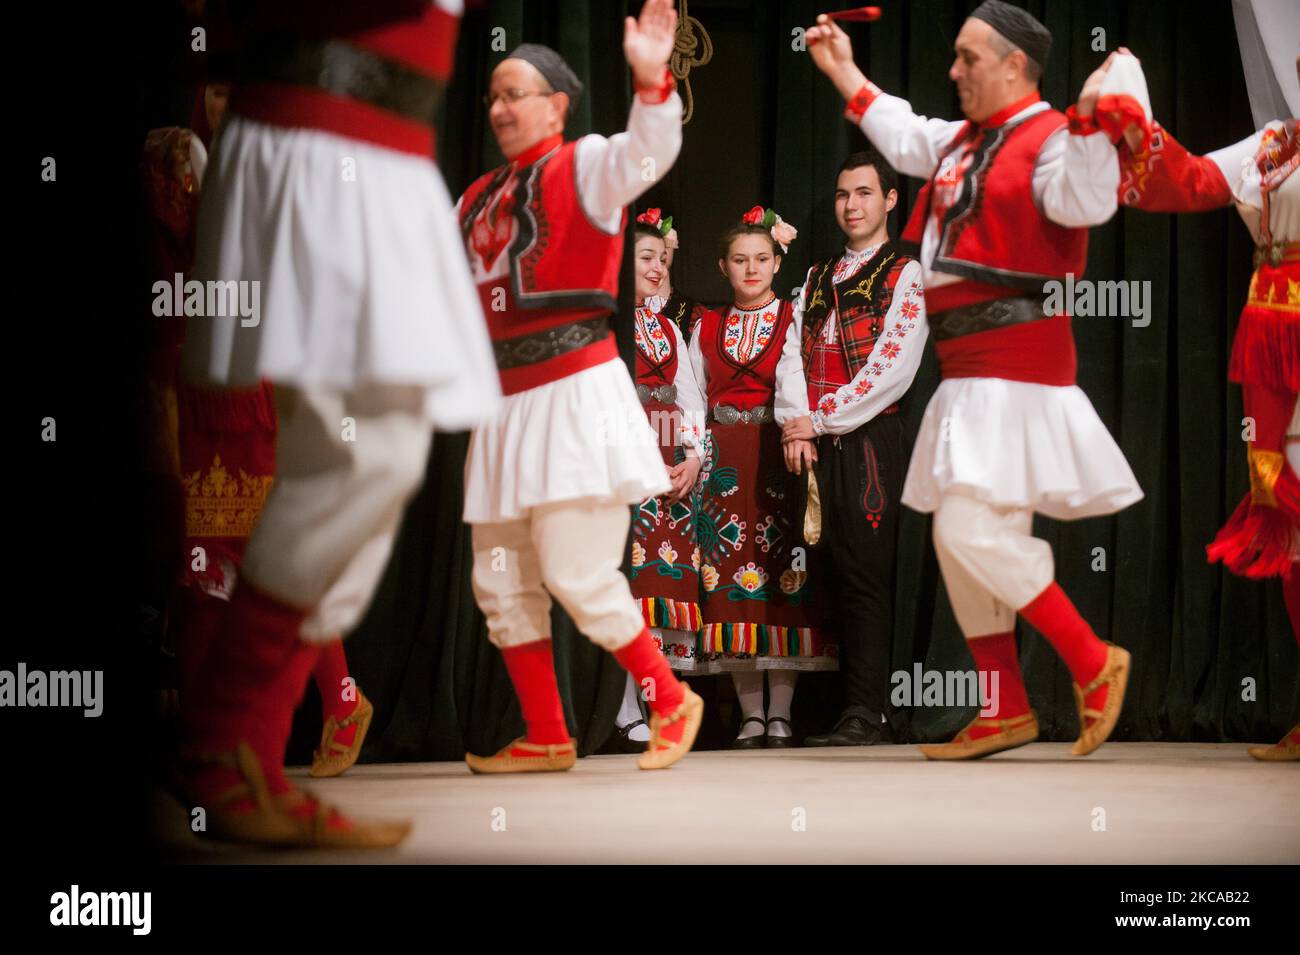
(665,558)
(1260,176)
(682,310)
(755,596)
(226,451)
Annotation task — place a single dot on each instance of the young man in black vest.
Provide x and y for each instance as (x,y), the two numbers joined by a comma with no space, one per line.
(850,356)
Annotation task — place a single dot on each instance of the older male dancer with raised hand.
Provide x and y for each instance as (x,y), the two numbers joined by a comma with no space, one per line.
(550,477)
(1009,195)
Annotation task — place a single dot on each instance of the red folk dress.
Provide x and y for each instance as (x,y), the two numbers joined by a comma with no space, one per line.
(754,567)
(665,575)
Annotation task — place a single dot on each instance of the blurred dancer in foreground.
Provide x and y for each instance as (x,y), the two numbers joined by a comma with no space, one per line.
(322,201)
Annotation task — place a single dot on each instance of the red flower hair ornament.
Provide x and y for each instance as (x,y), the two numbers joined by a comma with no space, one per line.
(781,231)
(652,218)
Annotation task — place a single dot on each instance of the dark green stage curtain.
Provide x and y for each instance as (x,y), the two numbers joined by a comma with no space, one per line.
(768,129)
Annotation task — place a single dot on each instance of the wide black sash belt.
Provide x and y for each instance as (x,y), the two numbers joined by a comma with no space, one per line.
(985,316)
(345,70)
(549,343)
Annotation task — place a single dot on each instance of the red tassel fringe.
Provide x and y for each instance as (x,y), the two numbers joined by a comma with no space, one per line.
(1260,541)
(1266,349)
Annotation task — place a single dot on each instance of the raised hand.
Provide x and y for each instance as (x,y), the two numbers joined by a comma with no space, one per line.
(832,51)
(828,44)
(648,41)
(1092,85)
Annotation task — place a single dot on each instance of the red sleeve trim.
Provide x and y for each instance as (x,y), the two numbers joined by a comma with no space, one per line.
(654,95)
(1081,125)
(856,107)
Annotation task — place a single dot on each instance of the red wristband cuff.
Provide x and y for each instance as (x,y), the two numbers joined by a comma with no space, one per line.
(1081,125)
(657,94)
(861,101)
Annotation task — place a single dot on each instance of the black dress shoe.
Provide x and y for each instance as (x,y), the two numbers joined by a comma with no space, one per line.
(751,742)
(779,742)
(624,744)
(851,731)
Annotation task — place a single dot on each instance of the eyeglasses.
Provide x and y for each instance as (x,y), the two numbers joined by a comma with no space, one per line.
(514,96)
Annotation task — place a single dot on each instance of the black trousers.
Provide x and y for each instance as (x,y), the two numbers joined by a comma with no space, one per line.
(860,479)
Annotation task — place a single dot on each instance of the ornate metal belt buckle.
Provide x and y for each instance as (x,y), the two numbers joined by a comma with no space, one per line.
(667,394)
(726,414)
(643,392)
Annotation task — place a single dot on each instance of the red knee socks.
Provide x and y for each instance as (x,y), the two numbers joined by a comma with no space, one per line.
(338,698)
(643,659)
(1053,615)
(996,653)
(256,671)
(198,617)
(532,671)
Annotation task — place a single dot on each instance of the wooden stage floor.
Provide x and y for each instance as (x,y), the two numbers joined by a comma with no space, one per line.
(1127,803)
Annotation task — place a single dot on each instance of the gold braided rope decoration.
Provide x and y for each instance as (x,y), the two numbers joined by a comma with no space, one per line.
(684,57)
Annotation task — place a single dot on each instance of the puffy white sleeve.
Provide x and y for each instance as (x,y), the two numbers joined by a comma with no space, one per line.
(791,399)
(696,356)
(691,400)
(910,143)
(1076,178)
(614,171)
(1237,163)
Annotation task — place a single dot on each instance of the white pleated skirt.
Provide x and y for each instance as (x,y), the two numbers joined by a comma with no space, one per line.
(583,436)
(1018,444)
(361,267)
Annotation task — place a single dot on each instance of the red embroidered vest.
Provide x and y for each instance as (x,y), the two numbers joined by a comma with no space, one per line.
(994,233)
(562,268)
(559,261)
(743,385)
(656,366)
